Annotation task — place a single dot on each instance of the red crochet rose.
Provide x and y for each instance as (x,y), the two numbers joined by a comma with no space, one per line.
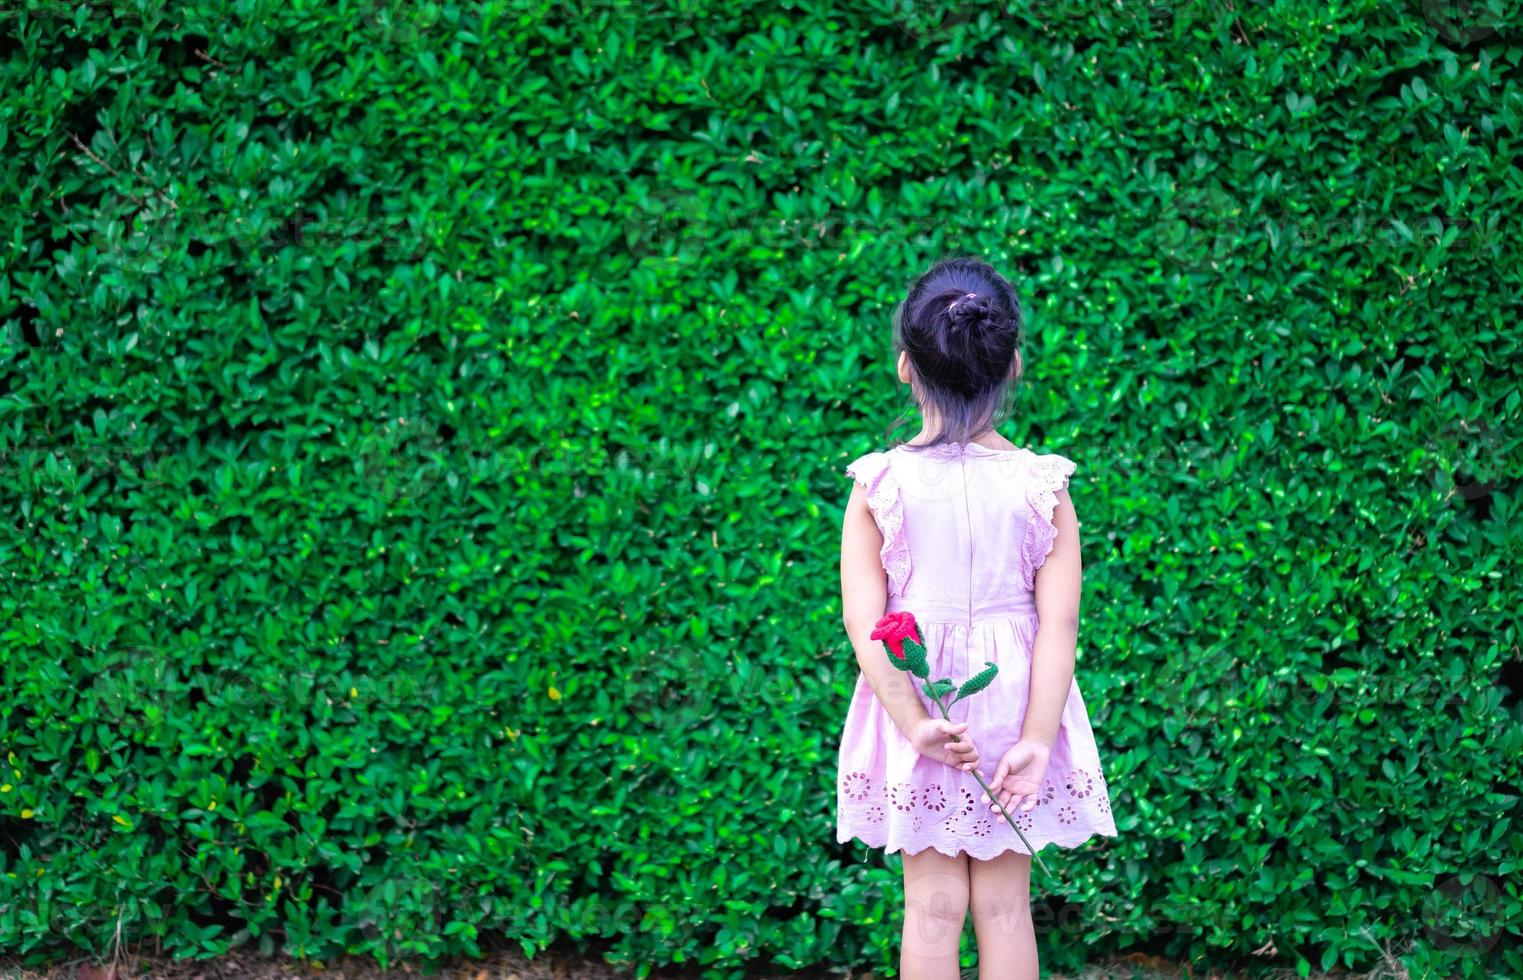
(892,630)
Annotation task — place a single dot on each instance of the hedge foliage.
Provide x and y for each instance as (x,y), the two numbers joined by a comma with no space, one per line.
(423,430)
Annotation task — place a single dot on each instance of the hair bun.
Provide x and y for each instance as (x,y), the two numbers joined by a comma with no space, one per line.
(973,313)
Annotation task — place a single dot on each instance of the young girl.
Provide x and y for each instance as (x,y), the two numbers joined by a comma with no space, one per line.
(978,539)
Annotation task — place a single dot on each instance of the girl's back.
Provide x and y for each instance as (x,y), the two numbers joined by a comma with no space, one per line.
(965,526)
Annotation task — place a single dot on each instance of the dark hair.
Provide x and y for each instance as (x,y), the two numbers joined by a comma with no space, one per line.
(961,325)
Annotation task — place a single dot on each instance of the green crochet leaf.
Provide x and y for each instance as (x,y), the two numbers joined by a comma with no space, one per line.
(937,689)
(902,663)
(914,658)
(915,654)
(978,681)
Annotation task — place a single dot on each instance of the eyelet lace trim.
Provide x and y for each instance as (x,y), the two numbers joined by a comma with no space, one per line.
(1048,474)
(913,818)
(884,500)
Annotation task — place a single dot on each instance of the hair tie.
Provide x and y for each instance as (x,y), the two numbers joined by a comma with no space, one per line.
(959,300)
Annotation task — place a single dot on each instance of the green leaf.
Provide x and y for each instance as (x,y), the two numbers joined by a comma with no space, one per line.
(978,681)
(914,655)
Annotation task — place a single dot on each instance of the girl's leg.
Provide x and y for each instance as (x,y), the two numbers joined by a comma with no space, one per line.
(935,907)
(1000,893)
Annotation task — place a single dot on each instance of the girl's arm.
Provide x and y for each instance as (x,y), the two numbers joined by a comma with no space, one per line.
(1057,603)
(864,597)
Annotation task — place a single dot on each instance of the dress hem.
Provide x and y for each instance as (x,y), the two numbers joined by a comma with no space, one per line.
(982,854)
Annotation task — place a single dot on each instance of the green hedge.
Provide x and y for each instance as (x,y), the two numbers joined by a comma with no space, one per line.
(424,429)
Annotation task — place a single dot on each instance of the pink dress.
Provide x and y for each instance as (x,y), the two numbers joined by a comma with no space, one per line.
(965,529)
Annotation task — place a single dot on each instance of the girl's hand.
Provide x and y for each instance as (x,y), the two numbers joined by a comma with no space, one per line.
(939,739)
(1018,778)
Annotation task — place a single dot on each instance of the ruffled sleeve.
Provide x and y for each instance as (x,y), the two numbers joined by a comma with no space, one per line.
(883,499)
(1045,476)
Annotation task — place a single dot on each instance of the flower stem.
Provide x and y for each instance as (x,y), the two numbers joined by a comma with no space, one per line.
(994,799)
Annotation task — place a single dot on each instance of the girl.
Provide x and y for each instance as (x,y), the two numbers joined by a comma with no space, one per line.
(978,539)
